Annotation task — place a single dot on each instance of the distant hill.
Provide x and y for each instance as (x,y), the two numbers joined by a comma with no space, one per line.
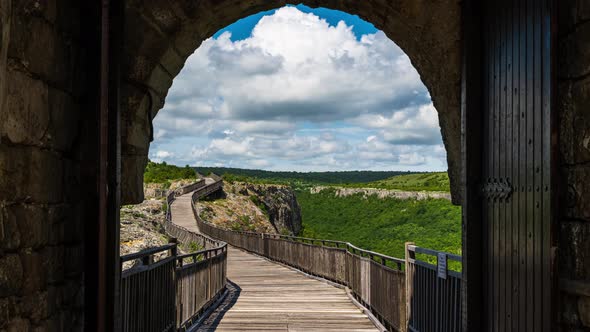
(435,181)
(343,177)
(164,173)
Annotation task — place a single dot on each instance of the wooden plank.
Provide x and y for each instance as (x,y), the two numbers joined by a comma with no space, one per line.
(517,67)
(275,298)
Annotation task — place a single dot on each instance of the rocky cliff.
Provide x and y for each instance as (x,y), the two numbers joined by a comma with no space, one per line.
(142,228)
(382,193)
(254,207)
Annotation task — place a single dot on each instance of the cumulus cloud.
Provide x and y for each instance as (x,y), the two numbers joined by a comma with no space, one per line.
(291,94)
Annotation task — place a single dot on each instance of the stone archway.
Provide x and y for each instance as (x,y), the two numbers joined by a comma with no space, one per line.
(160,36)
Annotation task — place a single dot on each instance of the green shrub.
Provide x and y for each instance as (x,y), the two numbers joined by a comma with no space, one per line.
(164,173)
(382,225)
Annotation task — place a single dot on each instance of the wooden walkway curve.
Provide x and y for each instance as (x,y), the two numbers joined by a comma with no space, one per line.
(276,298)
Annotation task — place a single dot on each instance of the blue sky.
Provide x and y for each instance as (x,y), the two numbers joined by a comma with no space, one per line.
(242,29)
(299,89)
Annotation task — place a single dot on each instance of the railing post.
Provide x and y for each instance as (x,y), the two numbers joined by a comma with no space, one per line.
(209,271)
(409,284)
(147,260)
(174,253)
(174,250)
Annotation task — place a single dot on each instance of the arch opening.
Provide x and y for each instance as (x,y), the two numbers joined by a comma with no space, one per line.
(173,31)
(289,90)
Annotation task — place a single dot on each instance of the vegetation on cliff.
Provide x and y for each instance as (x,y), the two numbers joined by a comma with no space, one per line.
(164,173)
(254,208)
(261,176)
(382,225)
(406,181)
(435,181)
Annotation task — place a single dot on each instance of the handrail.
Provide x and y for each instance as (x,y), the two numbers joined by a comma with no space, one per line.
(169,294)
(376,280)
(171,197)
(349,246)
(431,252)
(147,252)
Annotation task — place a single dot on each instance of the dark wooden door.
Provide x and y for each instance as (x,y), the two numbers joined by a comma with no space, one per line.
(517,157)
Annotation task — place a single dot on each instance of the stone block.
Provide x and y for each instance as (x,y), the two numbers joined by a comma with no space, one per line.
(144,46)
(577,201)
(567,14)
(172,62)
(73,260)
(162,14)
(18,325)
(72,181)
(8,309)
(39,305)
(132,168)
(42,49)
(54,262)
(584,310)
(64,123)
(30,174)
(9,229)
(574,106)
(33,227)
(11,275)
(569,315)
(160,80)
(574,53)
(34,273)
(74,224)
(574,251)
(25,119)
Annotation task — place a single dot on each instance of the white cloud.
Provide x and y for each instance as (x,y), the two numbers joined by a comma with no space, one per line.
(289,94)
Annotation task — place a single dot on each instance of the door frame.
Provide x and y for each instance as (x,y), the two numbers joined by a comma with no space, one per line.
(471,166)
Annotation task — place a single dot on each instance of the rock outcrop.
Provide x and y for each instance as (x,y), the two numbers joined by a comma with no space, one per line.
(142,228)
(280,202)
(254,207)
(382,193)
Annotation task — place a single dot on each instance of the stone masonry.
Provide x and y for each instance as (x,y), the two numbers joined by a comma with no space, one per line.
(573,108)
(41,229)
(46,122)
(162,34)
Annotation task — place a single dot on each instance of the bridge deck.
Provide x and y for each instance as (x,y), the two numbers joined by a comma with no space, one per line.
(275,298)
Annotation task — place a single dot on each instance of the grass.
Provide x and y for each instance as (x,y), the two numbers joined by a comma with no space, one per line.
(381,225)
(164,173)
(438,181)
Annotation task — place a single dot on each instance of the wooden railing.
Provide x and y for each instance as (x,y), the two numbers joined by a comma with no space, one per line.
(402,294)
(148,291)
(200,278)
(433,291)
(376,280)
(171,293)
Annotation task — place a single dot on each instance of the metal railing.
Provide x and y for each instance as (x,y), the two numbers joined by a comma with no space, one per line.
(433,291)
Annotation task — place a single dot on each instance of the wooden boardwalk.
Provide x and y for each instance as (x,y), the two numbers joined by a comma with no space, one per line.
(272,297)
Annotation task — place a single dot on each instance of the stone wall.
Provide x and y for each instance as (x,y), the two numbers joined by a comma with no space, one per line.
(41,234)
(161,35)
(44,80)
(573,108)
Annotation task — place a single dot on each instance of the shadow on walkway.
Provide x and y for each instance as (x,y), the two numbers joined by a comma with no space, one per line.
(212,322)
